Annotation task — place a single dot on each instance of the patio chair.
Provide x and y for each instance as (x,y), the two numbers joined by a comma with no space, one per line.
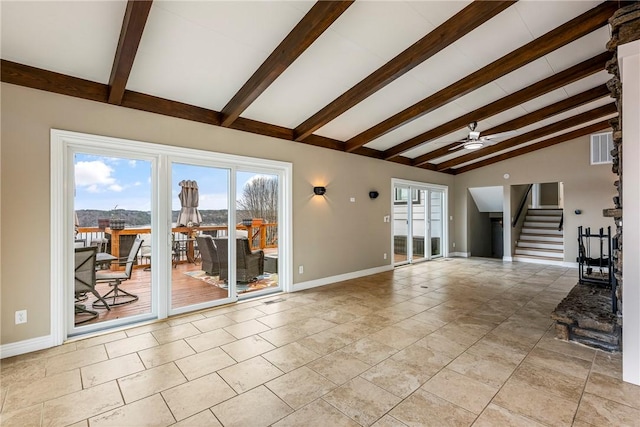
(145,250)
(101,246)
(249,264)
(115,278)
(209,255)
(85,282)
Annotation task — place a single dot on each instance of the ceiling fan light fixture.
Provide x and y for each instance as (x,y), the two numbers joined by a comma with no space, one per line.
(473,145)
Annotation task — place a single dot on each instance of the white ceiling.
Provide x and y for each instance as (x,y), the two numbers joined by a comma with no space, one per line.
(202,52)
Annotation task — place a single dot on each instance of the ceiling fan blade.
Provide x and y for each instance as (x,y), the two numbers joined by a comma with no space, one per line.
(500,135)
(458,146)
(451,142)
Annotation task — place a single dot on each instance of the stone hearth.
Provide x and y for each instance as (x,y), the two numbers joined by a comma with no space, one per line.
(585,316)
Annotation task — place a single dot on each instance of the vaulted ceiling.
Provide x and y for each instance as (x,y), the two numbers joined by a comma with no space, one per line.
(394,80)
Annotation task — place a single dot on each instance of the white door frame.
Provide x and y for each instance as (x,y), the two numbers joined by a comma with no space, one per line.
(63,143)
(398,182)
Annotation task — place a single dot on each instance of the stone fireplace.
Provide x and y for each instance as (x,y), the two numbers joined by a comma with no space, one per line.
(586,314)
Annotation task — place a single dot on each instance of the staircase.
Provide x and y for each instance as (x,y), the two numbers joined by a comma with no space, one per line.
(540,239)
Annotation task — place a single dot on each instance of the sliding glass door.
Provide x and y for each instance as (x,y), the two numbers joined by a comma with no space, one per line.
(142,231)
(418,230)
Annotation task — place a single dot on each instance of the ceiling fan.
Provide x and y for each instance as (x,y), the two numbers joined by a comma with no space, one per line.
(474,141)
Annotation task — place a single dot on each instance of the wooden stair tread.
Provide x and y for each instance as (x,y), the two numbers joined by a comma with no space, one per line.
(537,257)
(528,248)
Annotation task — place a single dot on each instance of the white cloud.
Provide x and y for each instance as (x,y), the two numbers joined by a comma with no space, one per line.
(95,177)
(132,163)
(93,173)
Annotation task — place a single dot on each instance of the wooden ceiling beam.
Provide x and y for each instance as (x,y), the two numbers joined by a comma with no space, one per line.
(554,39)
(556,81)
(310,27)
(166,107)
(133,23)
(543,113)
(573,121)
(37,78)
(527,119)
(472,16)
(596,127)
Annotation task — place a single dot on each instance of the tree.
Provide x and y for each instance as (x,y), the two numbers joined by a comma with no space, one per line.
(260,198)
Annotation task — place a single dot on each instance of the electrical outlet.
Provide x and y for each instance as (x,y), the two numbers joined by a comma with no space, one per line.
(352,199)
(21,316)
(301,269)
(454,244)
(385,255)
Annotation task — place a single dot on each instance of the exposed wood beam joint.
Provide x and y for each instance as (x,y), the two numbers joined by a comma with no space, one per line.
(472,16)
(166,107)
(133,23)
(554,39)
(560,126)
(314,23)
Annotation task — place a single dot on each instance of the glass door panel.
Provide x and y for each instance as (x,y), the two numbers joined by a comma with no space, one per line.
(401,242)
(419,220)
(112,215)
(436,222)
(257,218)
(199,211)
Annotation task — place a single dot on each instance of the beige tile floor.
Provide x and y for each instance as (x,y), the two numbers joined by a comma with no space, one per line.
(449,342)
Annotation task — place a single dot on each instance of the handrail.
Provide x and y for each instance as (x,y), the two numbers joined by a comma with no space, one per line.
(561,221)
(259,239)
(522,203)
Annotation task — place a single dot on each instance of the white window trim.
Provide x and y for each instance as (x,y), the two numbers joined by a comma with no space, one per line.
(61,207)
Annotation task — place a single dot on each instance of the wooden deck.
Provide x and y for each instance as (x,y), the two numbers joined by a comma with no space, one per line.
(185,291)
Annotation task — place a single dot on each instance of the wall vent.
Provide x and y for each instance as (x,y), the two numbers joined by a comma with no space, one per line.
(601,146)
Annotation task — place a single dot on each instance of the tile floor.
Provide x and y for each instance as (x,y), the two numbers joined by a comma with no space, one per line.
(449,342)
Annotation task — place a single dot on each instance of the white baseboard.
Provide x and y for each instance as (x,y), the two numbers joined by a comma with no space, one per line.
(547,262)
(507,258)
(460,254)
(339,278)
(26,346)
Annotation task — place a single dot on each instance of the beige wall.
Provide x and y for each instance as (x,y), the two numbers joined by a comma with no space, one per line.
(331,236)
(586,187)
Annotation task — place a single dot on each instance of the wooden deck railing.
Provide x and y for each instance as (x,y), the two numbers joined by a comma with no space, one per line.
(261,236)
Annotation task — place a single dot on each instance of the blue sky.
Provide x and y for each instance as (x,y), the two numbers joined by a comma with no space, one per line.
(105,182)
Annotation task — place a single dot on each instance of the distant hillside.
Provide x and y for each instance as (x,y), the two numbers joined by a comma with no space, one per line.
(89,217)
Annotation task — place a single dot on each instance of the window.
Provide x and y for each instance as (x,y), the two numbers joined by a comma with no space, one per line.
(401,195)
(601,146)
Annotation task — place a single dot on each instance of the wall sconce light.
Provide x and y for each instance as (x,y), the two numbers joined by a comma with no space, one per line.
(373,194)
(319,191)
